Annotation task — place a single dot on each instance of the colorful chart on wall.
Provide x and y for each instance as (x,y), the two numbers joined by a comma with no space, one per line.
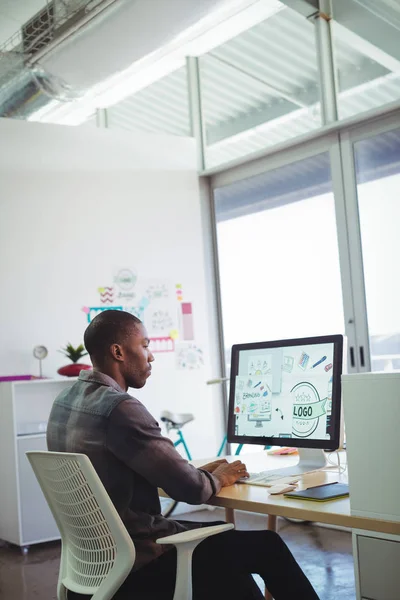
(158,303)
(189,356)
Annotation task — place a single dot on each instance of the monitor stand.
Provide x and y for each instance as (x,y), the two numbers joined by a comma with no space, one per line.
(310,459)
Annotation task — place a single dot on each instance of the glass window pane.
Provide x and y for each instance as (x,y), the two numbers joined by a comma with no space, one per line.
(161,107)
(278,255)
(261,87)
(367,54)
(378,178)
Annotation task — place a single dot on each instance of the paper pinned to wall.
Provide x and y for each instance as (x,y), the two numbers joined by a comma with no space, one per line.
(187,321)
(179,292)
(188,356)
(92,311)
(153,301)
(162,344)
(160,316)
(158,290)
(107,294)
(125,280)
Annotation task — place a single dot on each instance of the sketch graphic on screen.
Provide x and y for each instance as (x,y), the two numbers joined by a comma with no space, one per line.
(264,412)
(303,360)
(253,398)
(259,365)
(307,409)
(288,362)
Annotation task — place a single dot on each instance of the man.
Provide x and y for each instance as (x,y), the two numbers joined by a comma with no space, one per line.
(97,417)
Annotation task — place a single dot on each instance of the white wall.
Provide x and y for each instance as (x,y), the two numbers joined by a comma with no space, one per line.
(76,203)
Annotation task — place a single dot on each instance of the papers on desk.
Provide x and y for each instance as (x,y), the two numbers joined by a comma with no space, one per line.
(283,451)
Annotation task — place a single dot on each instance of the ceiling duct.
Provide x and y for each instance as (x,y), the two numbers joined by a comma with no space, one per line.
(26,87)
(30,90)
(72,46)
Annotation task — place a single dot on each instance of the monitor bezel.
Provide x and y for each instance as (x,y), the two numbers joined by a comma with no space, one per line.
(324,444)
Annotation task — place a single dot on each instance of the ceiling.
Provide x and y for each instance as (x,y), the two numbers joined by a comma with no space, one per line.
(260,88)
(14,13)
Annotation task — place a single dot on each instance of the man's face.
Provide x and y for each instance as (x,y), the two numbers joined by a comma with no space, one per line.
(136,366)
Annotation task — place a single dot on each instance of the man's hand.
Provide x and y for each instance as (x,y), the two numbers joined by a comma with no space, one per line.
(229,473)
(210,467)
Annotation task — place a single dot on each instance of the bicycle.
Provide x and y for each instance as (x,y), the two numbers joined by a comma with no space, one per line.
(175,421)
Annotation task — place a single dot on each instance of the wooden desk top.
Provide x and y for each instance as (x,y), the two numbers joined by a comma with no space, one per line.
(252,498)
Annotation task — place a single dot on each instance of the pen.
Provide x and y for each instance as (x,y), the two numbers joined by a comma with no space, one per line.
(319,362)
(322,485)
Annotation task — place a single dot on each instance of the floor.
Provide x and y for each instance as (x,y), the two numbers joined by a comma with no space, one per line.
(324,554)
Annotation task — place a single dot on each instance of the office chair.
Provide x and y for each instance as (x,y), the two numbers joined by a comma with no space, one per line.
(97,553)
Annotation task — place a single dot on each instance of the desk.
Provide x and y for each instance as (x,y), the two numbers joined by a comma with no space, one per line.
(253,498)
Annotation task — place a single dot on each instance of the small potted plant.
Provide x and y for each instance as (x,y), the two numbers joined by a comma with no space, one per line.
(74,354)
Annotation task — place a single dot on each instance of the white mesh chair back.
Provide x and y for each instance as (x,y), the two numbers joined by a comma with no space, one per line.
(97,551)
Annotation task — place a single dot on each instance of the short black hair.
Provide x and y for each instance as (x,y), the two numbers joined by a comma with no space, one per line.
(107,328)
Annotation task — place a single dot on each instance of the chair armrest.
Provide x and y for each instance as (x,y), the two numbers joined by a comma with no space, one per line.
(186,543)
(194,534)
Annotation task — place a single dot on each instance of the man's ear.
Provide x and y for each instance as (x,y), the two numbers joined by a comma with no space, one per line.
(117,352)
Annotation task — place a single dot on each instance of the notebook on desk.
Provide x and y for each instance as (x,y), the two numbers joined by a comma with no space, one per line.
(321,493)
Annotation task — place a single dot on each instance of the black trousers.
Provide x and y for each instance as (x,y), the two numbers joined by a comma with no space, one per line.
(222,567)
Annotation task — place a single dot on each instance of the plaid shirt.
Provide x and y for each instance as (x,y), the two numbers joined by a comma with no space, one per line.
(98,418)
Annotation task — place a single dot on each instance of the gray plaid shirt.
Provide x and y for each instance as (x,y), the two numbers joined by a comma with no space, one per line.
(98,418)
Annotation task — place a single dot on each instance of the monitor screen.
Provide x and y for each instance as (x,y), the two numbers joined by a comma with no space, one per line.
(286,392)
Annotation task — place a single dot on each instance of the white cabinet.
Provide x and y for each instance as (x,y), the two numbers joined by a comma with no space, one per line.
(372,415)
(24,409)
(377,560)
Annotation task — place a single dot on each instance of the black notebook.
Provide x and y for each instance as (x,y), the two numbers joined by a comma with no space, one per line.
(321,493)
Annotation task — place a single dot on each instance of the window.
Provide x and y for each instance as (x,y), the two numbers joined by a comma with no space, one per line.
(278,255)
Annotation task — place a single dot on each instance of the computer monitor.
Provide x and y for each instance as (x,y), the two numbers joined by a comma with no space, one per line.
(288,393)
